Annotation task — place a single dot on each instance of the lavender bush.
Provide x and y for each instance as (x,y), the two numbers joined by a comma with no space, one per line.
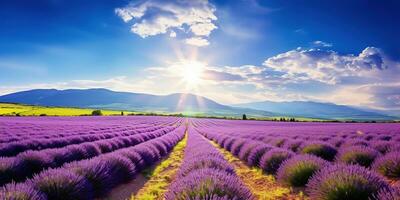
(272,160)
(360,155)
(341,182)
(388,165)
(297,170)
(20,192)
(320,149)
(62,185)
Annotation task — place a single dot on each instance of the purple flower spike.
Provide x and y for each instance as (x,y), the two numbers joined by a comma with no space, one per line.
(392,193)
(342,182)
(208,184)
(256,154)
(272,160)
(62,184)
(297,170)
(388,165)
(320,149)
(359,155)
(14,191)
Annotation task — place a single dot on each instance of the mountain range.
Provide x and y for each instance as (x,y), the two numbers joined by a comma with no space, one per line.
(186,103)
(315,110)
(107,99)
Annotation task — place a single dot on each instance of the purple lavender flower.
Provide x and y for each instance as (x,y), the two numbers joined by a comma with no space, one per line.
(360,155)
(246,149)
(292,145)
(196,162)
(382,146)
(91,150)
(62,185)
(320,149)
(297,170)
(392,193)
(355,142)
(102,174)
(272,160)
(15,191)
(135,158)
(337,142)
(228,143)
(277,142)
(256,153)
(394,147)
(236,146)
(208,184)
(389,194)
(388,165)
(33,162)
(10,169)
(341,182)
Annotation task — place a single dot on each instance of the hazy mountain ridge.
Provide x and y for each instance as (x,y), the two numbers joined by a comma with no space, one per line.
(107,99)
(315,110)
(182,102)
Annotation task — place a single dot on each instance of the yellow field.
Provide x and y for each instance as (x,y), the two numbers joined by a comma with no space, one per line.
(27,110)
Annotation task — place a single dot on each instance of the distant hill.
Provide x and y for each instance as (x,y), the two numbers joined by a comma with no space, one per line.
(107,99)
(316,110)
(186,103)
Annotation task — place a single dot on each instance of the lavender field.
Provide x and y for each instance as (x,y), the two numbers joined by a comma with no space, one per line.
(107,158)
(199,100)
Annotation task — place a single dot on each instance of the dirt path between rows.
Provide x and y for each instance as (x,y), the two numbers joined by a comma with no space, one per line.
(162,175)
(153,182)
(263,187)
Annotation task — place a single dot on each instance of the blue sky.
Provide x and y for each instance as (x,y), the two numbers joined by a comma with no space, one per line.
(345,52)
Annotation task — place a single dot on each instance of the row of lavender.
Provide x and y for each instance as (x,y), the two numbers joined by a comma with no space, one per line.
(56,141)
(353,146)
(28,127)
(49,132)
(205,174)
(28,163)
(351,171)
(309,131)
(92,178)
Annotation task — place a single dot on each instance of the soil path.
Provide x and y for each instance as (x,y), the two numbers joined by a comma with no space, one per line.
(152,182)
(263,187)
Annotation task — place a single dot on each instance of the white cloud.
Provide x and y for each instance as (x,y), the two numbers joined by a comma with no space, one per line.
(202,29)
(326,66)
(129,13)
(197,41)
(153,17)
(172,34)
(319,43)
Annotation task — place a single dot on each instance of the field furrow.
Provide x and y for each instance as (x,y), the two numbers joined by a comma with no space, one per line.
(262,186)
(159,178)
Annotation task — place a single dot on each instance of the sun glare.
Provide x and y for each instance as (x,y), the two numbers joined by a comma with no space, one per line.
(192,72)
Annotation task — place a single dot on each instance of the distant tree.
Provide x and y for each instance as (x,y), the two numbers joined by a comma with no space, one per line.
(42,115)
(122,113)
(97,113)
(244,117)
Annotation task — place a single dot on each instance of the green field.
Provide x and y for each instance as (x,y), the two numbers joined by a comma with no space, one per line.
(7,109)
(10,109)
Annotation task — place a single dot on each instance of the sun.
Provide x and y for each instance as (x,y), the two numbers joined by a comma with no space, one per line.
(192,73)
